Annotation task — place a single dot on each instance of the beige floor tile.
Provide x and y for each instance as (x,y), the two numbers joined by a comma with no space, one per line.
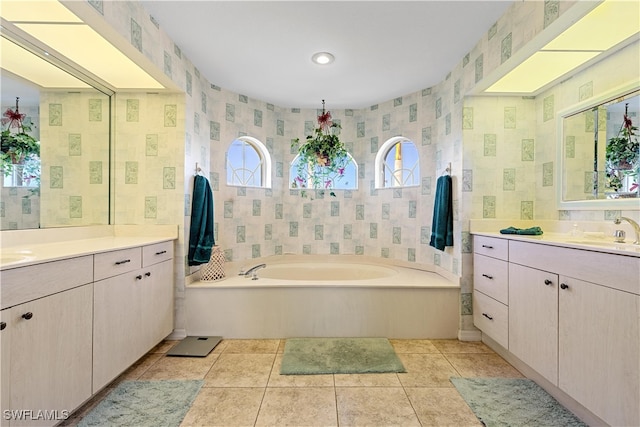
(377,406)
(455,346)
(240,370)
(225,407)
(180,368)
(251,346)
(367,380)
(164,346)
(440,407)
(413,346)
(277,380)
(482,365)
(426,370)
(141,366)
(297,406)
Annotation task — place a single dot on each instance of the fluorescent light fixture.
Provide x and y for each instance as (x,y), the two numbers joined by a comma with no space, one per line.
(607,25)
(57,27)
(322,58)
(21,62)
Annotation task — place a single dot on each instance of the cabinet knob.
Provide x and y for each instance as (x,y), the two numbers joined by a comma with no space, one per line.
(564,286)
(139,277)
(147,274)
(3,325)
(487,316)
(487,246)
(487,276)
(547,282)
(124,261)
(28,315)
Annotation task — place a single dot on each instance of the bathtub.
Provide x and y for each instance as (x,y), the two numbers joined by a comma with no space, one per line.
(324,296)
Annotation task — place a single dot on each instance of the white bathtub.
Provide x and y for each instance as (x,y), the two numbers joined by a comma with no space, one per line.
(322,296)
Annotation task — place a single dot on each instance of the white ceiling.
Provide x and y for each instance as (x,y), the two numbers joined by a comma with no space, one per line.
(383,49)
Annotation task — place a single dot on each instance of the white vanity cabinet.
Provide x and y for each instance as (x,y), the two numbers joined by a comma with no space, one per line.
(491,281)
(46,341)
(574,318)
(133,307)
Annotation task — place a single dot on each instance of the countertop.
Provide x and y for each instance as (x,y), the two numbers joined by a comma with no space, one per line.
(18,255)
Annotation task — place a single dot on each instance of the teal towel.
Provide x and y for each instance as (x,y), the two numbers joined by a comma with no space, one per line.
(201,232)
(442,225)
(533,231)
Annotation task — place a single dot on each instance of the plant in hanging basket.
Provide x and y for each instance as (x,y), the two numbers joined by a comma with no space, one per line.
(622,156)
(322,157)
(18,146)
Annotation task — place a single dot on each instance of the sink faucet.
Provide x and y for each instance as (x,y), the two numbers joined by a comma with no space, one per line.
(634,224)
(253,271)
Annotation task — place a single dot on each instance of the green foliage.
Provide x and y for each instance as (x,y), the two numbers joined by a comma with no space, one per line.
(321,158)
(17,147)
(622,155)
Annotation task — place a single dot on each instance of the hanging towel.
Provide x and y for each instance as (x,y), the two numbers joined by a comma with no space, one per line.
(442,226)
(533,231)
(201,233)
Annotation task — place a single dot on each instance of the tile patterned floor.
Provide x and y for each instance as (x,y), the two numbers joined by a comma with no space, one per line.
(243,386)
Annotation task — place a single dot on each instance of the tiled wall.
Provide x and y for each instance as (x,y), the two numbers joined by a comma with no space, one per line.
(75,173)
(502,153)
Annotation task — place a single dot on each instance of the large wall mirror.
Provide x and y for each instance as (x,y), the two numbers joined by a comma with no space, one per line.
(64,181)
(600,152)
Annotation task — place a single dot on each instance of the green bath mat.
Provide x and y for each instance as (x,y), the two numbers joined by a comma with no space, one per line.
(304,356)
(513,402)
(145,403)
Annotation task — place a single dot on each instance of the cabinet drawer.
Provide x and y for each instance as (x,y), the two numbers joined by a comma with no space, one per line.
(153,254)
(24,284)
(490,276)
(491,246)
(109,264)
(492,318)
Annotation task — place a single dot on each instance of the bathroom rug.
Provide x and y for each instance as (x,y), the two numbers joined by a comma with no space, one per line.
(513,402)
(304,356)
(145,403)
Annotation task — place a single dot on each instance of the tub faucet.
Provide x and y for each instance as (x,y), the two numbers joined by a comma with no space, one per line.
(253,271)
(634,224)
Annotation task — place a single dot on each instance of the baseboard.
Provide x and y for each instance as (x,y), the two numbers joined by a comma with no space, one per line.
(469,335)
(177,334)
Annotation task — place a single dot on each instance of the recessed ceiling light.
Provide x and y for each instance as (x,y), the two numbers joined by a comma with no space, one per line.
(323,58)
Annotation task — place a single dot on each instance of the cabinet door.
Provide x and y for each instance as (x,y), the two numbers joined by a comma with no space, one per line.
(599,359)
(5,361)
(51,355)
(116,326)
(533,319)
(157,303)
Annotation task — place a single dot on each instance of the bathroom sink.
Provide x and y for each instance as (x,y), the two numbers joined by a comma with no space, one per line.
(627,246)
(15,256)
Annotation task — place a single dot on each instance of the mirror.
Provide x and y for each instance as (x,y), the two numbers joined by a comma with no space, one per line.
(67,182)
(600,155)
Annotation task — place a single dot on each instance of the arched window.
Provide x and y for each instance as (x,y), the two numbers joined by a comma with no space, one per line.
(397,164)
(248,163)
(340,177)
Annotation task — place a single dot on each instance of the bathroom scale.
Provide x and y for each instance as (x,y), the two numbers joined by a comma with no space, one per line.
(194,346)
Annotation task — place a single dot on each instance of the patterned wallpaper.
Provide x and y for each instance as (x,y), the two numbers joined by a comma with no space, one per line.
(502,153)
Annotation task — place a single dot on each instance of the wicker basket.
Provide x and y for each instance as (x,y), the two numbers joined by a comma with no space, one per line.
(214,269)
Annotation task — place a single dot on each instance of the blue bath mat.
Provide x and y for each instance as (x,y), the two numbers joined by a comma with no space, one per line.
(145,403)
(513,402)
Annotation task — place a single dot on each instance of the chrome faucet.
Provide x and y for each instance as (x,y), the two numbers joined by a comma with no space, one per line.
(634,224)
(253,271)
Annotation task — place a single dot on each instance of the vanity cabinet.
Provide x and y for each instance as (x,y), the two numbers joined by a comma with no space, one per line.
(574,318)
(46,341)
(133,309)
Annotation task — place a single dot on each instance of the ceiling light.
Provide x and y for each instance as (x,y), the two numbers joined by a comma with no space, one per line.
(323,58)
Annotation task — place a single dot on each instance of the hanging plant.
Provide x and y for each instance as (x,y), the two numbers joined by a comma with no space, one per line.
(322,157)
(16,146)
(622,155)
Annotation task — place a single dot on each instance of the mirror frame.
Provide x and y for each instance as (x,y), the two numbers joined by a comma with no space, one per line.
(601,204)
